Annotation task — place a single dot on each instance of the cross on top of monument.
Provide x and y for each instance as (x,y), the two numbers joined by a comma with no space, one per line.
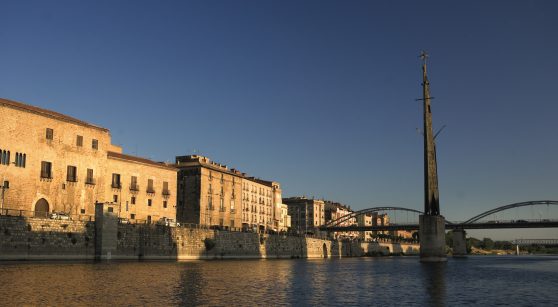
(423,56)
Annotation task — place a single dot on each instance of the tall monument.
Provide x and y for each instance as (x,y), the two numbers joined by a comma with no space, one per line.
(432,224)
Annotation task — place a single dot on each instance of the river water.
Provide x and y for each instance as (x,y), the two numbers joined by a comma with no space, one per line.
(387,281)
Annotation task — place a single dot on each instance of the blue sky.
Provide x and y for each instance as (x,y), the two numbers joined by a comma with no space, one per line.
(318,95)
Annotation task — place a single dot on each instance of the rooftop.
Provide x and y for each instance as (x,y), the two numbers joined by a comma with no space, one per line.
(47,113)
(121,156)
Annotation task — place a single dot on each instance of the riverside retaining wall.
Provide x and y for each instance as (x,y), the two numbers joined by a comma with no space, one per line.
(24,238)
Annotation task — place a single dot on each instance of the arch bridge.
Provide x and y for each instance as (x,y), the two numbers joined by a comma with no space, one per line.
(472,223)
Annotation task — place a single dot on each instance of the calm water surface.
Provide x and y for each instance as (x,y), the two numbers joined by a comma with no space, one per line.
(390,281)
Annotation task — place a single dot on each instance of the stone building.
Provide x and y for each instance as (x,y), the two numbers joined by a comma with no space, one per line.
(209,193)
(212,194)
(57,163)
(306,214)
(259,204)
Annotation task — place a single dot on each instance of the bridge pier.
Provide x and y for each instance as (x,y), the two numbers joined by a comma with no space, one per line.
(459,243)
(432,235)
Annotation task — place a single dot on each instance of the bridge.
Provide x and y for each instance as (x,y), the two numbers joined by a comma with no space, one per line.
(472,223)
(527,242)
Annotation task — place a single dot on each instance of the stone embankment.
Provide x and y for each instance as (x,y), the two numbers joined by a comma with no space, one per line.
(24,238)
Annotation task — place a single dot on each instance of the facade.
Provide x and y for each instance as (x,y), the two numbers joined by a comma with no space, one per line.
(306,214)
(142,189)
(57,163)
(379,220)
(334,211)
(209,193)
(212,194)
(365,220)
(284,219)
(259,204)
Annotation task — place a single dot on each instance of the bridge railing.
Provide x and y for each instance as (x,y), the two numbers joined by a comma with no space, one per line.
(507,221)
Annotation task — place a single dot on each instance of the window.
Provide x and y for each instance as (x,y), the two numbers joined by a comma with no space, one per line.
(134,184)
(166,188)
(115,198)
(82,211)
(79,141)
(46,169)
(150,186)
(222,205)
(89,179)
(149,219)
(95,144)
(222,178)
(20,159)
(149,202)
(232,205)
(210,202)
(49,134)
(210,189)
(5,158)
(232,223)
(133,216)
(115,181)
(164,204)
(133,200)
(221,222)
(71,174)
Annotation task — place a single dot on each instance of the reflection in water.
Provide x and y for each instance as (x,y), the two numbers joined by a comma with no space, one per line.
(434,281)
(401,281)
(238,282)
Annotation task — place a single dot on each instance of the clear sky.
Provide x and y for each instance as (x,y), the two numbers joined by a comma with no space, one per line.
(318,95)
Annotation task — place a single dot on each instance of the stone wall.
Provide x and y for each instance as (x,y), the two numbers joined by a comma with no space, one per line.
(32,238)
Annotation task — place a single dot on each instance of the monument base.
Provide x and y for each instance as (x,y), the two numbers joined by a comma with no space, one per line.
(432,235)
(459,243)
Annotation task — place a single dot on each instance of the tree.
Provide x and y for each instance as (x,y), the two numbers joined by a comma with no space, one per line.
(487,243)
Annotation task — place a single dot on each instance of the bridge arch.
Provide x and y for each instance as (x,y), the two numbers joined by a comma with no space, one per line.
(366,211)
(510,206)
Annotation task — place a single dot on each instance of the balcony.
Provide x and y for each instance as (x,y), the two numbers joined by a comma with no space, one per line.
(210,207)
(90,181)
(134,187)
(222,209)
(233,211)
(150,190)
(166,192)
(116,185)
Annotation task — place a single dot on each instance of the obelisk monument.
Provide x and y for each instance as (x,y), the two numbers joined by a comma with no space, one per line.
(432,224)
